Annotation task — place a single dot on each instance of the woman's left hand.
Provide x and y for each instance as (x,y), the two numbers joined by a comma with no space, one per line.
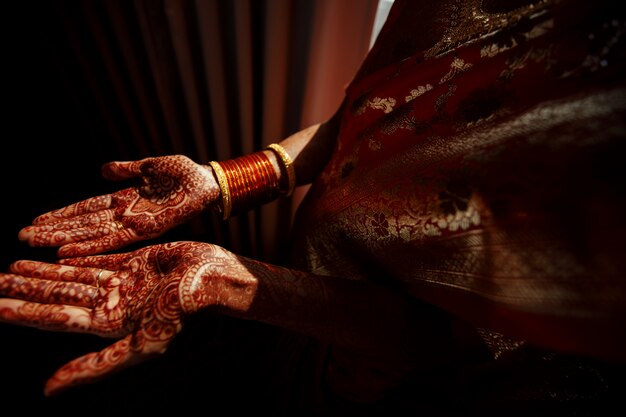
(171,190)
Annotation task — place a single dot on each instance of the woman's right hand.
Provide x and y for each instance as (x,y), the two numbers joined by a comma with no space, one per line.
(173,189)
(138,298)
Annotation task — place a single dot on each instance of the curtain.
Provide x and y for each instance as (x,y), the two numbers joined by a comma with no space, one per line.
(94,81)
(209,79)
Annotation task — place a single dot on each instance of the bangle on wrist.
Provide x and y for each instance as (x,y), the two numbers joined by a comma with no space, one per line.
(225,190)
(286,164)
(246,182)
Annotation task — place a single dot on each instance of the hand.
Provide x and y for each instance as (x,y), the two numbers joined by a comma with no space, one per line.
(139,297)
(174,189)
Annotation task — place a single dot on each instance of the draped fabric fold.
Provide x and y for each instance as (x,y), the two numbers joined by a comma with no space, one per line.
(476,170)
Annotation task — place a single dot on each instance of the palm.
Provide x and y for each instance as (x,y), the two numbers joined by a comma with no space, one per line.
(133,296)
(173,189)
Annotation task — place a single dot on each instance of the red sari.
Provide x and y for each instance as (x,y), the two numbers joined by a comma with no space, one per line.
(477,168)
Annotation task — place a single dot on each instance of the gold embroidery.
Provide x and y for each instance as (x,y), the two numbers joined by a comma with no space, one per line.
(466,22)
(457,66)
(498,343)
(402,217)
(519,62)
(374,144)
(384,104)
(536,31)
(461,220)
(442,100)
(416,92)
(401,119)
(494,49)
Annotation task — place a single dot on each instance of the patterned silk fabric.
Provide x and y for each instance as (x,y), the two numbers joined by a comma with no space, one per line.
(478,168)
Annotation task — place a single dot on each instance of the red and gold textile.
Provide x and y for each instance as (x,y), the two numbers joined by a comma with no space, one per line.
(478,167)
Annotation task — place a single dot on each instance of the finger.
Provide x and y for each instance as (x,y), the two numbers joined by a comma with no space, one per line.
(54,272)
(122,170)
(110,262)
(69,231)
(95,366)
(89,205)
(45,291)
(99,244)
(55,317)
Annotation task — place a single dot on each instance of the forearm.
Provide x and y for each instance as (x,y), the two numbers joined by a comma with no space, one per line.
(312,147)
(353,314)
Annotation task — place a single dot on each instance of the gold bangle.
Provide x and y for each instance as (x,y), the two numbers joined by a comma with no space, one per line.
(223,183)
(288,163)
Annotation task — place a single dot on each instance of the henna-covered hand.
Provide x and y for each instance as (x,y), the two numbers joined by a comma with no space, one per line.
(138,297)
(173,189)
(141,298)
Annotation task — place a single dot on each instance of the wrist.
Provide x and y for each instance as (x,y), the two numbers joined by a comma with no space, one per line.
(285,167)
(253,179)
(219,282)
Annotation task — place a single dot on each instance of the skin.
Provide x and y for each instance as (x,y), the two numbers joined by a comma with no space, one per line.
(171,190)
(141,300)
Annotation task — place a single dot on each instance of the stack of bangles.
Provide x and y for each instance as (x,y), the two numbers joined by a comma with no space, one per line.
(251,180)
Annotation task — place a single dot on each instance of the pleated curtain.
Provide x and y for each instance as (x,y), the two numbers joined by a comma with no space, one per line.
(210,79)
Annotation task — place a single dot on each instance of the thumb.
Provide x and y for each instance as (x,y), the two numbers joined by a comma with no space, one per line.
(93,366)
(122,170)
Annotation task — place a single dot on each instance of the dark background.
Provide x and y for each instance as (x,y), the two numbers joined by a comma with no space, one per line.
(54,145)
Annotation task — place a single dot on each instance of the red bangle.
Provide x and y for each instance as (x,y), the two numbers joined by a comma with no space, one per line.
(246,181)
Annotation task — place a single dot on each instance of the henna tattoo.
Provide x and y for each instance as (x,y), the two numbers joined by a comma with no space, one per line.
(142,298)
(91,205)
(173,189)
(90,367)
(47,291)
(91,225)
(52,315)
(136,298)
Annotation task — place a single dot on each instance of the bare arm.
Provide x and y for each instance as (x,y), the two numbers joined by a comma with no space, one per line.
(170,190)
(354,314)
(141,299)
(312,147)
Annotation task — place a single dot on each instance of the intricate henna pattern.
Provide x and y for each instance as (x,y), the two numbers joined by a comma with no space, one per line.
(173,190)
(136,298)
(91,367)
(142,297)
